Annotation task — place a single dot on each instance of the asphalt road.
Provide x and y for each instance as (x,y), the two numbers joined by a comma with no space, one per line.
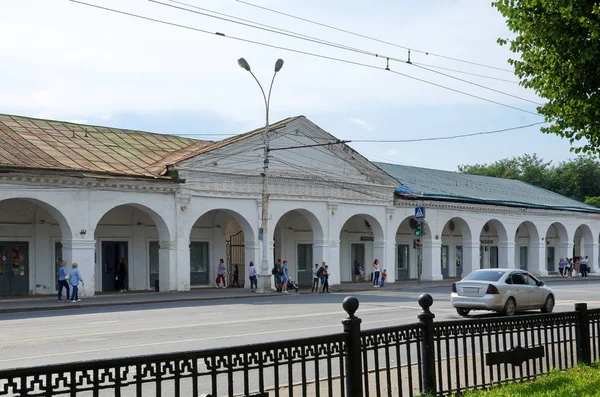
(38,338)
(54,337)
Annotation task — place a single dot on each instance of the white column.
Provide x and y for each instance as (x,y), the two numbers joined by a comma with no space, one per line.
(565,249)
(265,280)
(390,260)
(167,269)
(432,257)
(591,251)
(334,261)
(251,254)
(320,253)
(470,257)
(506,254)
(181,273)
(537,258)
(84,253)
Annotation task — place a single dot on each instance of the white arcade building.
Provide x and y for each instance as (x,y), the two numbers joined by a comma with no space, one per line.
(172,207)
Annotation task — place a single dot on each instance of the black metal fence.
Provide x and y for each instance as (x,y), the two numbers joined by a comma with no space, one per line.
(427,356)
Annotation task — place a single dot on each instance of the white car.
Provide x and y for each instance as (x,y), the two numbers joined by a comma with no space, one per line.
(501,290)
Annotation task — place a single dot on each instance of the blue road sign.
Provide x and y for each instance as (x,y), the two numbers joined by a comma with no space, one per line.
(420,212)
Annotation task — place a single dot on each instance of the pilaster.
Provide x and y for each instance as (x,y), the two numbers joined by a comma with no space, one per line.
(84,253)
(537,259)
(470,257)
(167,269)
(506,254)
(432,260)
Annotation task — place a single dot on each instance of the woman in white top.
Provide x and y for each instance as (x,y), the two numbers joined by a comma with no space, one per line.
(376,273)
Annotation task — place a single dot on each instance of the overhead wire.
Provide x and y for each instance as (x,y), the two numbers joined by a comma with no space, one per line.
(302,52)
(289,33)
(372,38)
(342,46)
(440,138)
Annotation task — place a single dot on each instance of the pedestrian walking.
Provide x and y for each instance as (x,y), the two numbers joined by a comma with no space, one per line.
(561,267)
(576,266)
(376,273)
(63,280)
(584,267)
(285,277)
(252,275)
(121,275)
(358,270)
(74,279)
(325,278)
(315,283)
(383,277)
(236,276)
(569,267)
(221,269)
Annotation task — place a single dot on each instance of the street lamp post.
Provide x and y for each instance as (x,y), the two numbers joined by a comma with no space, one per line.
(264,278)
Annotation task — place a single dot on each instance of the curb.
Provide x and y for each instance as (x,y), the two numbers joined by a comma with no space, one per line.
(68,306)
(393,287)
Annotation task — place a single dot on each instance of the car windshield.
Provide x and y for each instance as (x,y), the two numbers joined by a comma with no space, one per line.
(486,275)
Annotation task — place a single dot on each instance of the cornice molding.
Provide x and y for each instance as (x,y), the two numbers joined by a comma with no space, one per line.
(42,182)
(228,185)
(441,205)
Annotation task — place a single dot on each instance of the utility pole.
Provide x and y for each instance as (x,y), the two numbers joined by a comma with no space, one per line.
(264,277)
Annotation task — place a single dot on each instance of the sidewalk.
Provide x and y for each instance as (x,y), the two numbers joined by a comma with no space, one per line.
(48,302)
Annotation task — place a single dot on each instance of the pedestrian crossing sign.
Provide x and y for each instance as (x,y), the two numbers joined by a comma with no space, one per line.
(420,212)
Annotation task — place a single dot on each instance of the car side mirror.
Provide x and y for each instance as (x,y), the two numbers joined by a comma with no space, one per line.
(541,283)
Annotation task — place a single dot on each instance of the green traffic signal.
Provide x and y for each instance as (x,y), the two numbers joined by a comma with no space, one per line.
(417,233)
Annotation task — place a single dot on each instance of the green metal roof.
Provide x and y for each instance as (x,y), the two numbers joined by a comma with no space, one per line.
(456,186)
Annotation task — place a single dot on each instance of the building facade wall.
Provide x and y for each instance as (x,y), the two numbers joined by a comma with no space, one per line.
(459,238)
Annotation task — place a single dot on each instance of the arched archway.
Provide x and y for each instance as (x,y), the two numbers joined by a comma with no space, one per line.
(362,239)
(133,232)
(583,245)
(455,256)
(221,234)
(298,238)
(492,249)
(409,246)
(527,247)
(557,246)
(28,225)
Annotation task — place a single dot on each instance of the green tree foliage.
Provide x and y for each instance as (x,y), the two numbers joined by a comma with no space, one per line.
(558,48)
(578,179)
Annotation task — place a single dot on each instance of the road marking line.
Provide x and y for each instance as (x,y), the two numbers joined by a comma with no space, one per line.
(68,353)
(174,327)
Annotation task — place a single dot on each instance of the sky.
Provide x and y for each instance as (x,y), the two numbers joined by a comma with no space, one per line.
(67,61)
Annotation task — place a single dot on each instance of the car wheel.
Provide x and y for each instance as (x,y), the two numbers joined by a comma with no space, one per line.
(510,307)
(462,311)
(548,305)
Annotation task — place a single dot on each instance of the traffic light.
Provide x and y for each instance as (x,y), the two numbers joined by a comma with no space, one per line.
(418,230)
(416,243)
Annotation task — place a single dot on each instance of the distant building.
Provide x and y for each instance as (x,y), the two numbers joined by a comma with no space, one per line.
(172,207)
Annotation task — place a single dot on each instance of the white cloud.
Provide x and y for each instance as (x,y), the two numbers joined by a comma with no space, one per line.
(361,123)
(392,152)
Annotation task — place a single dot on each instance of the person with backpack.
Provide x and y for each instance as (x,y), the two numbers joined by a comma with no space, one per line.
(321,275)
(277,272)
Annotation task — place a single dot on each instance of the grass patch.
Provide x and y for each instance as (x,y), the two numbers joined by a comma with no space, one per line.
(575,382)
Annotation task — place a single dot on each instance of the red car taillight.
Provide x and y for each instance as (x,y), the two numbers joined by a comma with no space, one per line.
(453,287)
(492,290)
